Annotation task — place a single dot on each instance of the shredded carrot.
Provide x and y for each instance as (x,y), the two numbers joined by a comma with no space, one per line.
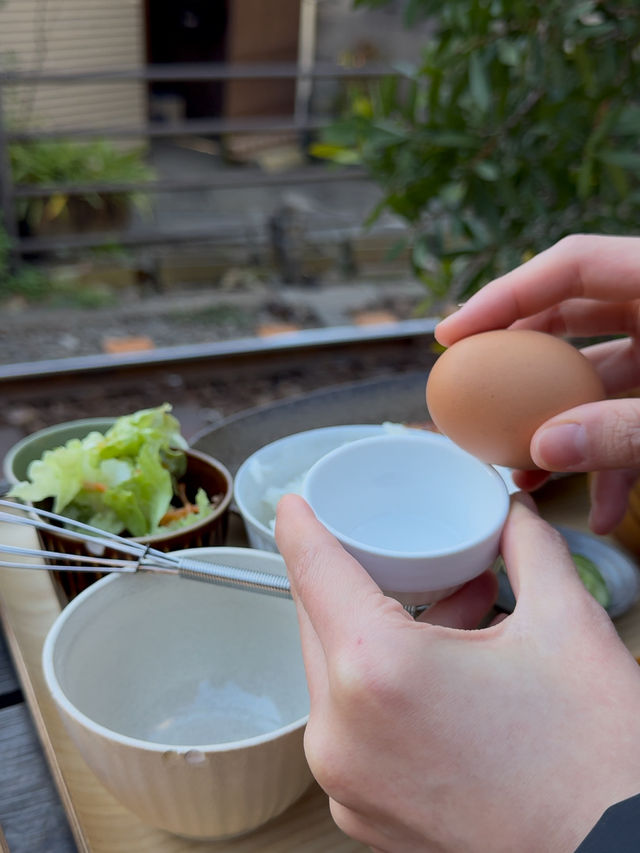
(91,486)
(177,512)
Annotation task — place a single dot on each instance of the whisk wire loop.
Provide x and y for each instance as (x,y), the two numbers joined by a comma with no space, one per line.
(102,562)
(147,559)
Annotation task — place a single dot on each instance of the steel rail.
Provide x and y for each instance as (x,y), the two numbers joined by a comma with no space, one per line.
(290,344)
(218,373)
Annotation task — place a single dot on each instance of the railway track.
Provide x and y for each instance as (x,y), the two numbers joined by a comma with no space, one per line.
(208,381)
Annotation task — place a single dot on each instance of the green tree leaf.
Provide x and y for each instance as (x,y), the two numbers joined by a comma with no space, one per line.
(519,125)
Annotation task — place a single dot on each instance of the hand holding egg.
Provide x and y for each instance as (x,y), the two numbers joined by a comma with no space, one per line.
(585,285)
(491,391)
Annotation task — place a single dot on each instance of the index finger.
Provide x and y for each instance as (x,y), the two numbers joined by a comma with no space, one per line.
(582,266)
(335,590)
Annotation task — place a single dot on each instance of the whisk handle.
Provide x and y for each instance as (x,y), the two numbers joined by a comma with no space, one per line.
(236,578)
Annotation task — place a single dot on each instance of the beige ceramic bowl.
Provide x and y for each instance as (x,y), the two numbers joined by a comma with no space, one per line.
(187,700)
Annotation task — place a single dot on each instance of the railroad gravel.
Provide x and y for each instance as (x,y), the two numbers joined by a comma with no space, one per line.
(29,333)
(189,317)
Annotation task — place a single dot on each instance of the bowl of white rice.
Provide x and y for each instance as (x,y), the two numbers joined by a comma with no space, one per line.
(280,467)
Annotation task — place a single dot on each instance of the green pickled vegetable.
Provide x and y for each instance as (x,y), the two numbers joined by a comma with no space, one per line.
(592,579)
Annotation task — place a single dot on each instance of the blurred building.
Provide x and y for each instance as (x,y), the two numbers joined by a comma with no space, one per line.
(73,35)
(90,35)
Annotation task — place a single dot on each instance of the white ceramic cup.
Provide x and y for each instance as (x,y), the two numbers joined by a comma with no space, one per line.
(419,513)
(280,467)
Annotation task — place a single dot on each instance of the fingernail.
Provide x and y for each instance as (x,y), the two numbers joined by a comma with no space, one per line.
(526,500)
(560,447)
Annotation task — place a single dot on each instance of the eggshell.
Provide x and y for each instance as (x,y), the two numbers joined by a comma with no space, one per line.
(490,392)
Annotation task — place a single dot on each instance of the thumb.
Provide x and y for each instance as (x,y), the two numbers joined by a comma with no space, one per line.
(538,562)
(592,437)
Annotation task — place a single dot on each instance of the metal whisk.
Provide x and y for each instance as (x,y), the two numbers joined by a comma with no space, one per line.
(137,557)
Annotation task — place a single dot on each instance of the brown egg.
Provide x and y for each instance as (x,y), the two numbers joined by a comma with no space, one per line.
(490,392)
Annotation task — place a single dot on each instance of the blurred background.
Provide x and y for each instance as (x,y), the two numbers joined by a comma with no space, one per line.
(184,182)
(226,204)
(164,149)
(182,169)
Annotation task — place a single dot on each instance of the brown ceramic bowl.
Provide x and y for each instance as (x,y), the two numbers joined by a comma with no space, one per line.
(202,471)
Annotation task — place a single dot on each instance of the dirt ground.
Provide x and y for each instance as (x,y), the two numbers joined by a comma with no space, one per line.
(33,335)
(197,315)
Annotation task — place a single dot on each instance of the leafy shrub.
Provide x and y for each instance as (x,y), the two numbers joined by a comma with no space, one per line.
(28,282)
(520,125)
(46,162)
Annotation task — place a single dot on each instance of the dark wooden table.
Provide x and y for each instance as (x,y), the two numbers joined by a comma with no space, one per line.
(32,818)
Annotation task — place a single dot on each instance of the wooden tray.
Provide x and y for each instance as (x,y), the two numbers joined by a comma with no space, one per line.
(31,600)
(29,603)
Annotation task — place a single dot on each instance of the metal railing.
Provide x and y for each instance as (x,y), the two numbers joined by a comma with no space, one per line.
(300,122)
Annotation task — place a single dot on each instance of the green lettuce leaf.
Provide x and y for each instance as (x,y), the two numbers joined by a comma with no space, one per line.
(150,427)
(60,474)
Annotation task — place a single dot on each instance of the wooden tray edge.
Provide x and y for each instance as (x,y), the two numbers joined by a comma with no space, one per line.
(40,722)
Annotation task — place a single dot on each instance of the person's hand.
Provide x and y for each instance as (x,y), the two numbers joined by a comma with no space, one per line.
(436,737)
(584,286)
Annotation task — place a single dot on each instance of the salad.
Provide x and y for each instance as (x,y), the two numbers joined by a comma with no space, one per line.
(125,481)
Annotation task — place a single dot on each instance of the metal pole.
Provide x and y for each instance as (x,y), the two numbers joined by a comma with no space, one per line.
(7,206)
(306,59)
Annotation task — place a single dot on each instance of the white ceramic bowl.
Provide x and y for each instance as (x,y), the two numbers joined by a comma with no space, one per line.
(281,466)
(420,514)
(187,700)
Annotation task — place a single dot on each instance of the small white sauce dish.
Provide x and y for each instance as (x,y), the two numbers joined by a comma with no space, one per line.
(280,467)
(419,513)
